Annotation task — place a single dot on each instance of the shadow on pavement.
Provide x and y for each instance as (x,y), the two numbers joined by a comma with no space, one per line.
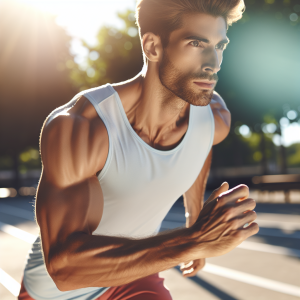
(210,288)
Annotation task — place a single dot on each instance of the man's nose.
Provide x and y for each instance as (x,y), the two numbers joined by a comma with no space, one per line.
(212,63)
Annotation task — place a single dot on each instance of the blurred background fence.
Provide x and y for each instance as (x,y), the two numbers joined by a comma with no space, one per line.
(43,65)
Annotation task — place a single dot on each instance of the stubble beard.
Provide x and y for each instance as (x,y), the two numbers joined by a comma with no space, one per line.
(181,85)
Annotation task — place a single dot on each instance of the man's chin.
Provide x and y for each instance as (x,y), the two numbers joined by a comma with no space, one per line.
(202,99)
(189,95)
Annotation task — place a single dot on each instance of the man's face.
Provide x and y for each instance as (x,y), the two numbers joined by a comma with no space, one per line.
(193,57)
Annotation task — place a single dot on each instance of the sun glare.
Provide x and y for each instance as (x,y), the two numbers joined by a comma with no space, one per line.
(45,5)
(83,18)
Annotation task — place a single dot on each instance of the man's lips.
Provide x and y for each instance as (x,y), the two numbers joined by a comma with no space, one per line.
(206,84)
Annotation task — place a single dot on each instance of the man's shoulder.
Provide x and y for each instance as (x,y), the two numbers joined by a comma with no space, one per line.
(222,118)
(80,114)
(75,139)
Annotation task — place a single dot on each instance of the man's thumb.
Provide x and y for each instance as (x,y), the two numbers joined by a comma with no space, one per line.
(223,188)
(217,192)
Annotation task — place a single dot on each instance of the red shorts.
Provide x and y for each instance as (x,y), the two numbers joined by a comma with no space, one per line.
(148,288)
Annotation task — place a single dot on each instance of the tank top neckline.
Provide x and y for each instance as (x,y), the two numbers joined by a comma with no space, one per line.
(141,141)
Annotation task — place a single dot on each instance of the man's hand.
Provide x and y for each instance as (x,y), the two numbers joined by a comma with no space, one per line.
(191,268)
(220,225)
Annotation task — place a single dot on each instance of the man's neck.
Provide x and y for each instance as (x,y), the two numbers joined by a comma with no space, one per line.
(153,111)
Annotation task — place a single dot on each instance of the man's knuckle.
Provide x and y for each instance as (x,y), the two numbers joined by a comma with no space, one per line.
(253,214)
(221,200)
(238,235)
(255,228)
(244,188)
(234,223)
(252,202)
(227,215)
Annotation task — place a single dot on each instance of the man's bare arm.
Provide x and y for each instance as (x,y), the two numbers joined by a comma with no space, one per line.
(70,202)
(193,203)
(194,197)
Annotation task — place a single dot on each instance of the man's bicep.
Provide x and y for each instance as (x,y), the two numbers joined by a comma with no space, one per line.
(63,212)
(69,197)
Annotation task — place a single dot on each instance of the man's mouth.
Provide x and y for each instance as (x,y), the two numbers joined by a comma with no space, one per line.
(206,84)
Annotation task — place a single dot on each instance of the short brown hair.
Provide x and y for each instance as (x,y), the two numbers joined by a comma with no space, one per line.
(161,17)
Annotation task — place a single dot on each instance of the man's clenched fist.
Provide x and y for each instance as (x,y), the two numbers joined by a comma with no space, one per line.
(220,225)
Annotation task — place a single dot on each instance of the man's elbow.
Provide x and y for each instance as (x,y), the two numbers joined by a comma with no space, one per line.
(60,274)
(65,275)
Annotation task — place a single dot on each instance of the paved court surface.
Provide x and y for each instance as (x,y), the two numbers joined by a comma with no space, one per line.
(266,266)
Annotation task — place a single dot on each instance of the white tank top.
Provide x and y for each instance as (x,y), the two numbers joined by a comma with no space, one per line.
(139,183)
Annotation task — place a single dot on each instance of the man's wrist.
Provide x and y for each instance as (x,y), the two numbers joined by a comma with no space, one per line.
(180,245)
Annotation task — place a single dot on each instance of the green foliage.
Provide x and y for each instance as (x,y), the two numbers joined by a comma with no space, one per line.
(294,155)
(116,57)
(6,162)
(29,159)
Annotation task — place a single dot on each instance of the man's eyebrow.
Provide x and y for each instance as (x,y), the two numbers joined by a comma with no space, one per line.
(198,38)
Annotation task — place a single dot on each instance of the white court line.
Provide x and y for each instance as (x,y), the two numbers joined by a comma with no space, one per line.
(252,279)
(12,285)
(278,224)
(18,233)
(16,211)
(269,248)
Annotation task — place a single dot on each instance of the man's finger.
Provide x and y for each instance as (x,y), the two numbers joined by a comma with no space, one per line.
(215,194)
(186,266)
(193,271)
(191,274)
(240,192)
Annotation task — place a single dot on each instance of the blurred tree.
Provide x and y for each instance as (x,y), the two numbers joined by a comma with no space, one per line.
(116,57)
(33,77)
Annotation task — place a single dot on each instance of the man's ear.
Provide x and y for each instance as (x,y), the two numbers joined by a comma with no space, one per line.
(152,47)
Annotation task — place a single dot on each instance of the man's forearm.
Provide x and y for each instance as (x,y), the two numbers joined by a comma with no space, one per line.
(101,261)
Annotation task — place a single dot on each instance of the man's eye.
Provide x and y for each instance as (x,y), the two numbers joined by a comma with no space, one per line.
(221,46)
(195,43)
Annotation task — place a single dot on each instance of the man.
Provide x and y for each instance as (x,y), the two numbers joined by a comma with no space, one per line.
(116,158)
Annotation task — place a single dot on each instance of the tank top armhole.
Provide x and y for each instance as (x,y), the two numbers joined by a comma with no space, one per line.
(212,130)
(102,117)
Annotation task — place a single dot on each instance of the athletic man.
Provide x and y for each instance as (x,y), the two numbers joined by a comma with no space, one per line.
(117,157)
